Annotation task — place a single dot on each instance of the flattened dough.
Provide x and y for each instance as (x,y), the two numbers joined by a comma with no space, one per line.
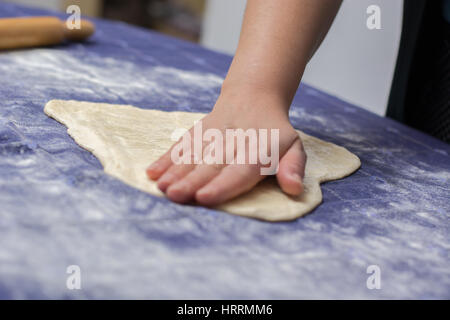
(127,139)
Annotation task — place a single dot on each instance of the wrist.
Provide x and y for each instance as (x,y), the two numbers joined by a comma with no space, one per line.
(255,91)
(247,98)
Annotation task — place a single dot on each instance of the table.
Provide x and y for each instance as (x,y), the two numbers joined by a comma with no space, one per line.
(58,208)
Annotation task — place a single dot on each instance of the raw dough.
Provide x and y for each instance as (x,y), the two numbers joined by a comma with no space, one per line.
(127,139)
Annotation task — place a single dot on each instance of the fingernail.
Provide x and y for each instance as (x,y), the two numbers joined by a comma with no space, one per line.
(153,166)
(166,178)
(175,193)
(178,186)
(296,177)
(152,171)
(204,192)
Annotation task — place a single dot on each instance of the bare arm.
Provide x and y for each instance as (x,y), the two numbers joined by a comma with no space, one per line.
(277,40)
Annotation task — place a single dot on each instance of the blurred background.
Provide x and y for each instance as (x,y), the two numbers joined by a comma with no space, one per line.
(354,63)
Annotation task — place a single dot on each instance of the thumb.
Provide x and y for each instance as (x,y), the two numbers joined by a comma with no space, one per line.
(291,169)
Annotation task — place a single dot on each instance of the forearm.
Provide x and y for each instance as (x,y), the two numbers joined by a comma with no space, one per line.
(277,40)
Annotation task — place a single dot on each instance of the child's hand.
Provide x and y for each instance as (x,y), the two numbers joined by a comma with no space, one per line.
(212,184)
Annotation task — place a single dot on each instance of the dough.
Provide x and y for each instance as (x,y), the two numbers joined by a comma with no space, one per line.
(127,139)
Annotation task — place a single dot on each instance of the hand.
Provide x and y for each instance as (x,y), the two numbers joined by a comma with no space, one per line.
(212,184)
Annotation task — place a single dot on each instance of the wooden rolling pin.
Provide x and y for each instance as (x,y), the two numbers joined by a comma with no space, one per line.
(39,31)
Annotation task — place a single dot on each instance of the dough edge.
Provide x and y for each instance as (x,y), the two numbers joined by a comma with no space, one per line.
(53,107)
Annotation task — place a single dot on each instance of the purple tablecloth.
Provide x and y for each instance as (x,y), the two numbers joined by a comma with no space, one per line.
(58,208)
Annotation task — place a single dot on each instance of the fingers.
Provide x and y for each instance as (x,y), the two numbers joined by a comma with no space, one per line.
(184,190)
(291,169)
(229,183)
(214,184)
(157,168)
(173,174)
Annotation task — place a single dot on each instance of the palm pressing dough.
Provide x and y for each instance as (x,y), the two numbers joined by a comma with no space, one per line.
(127,139)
